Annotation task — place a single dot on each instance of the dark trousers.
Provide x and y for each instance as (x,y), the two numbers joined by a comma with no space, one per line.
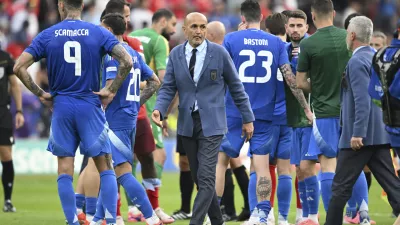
(202,153)
(349,166)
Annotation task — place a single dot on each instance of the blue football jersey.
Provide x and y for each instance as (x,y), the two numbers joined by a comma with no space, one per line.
(122,112)
(257,56)
(74,50)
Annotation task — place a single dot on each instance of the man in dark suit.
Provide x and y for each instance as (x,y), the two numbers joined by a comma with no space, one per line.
(200,71)
(363,140)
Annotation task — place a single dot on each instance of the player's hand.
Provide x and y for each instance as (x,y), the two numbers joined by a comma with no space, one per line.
(309,115)
(155,116)
(106,96)
(19,120)
(356,143)
(247,130)
(47,100)
(165,128)
(242,26)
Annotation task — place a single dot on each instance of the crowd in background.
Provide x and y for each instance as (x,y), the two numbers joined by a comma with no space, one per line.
(22,20)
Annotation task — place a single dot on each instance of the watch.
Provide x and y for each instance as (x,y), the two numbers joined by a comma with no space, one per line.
(19,111)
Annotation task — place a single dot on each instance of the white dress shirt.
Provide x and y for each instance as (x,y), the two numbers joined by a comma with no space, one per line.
(355,50)
(200,56)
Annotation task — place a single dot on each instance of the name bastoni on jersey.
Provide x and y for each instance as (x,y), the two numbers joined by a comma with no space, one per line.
(72,33)
(249,41)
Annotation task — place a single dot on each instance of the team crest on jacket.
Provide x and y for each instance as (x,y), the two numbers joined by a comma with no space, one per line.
(213,74)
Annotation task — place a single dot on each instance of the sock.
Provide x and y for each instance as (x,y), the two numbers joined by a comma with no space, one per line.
(326,188)
(263,209)
(296,186)
(284,195)
(312,194)
(152,186)
(80,201)
(67,197)
(137,193)
(7,178)
(91,204)
(109,195)
(186,184)
(119,203)
(229,194)
(368,176)
(351,206)
(99,215)
(219,200)
(242,179)
(303,198)
(159,169)
(252,191)
(273,180)
(361,192)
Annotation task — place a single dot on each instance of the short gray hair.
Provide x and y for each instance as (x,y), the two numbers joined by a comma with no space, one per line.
(379,34)
(363,27)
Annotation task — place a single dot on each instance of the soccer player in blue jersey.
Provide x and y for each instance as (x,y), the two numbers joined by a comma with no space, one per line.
(121,115)
(257,56)
(74,51)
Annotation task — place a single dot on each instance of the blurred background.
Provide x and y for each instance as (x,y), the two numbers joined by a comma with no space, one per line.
(22,20)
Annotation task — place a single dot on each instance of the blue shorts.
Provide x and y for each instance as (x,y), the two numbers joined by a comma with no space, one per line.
(260,143)
(300,142)
(282,142)
(324,139)
(122,142)
(75,122)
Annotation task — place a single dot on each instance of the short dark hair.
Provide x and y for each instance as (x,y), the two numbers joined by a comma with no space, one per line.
(116,22)
(298,14)
(251,11)
(322,7)
(349,17)
(73,4)
(275,23)
(116,6)
(286,12)
(162,13)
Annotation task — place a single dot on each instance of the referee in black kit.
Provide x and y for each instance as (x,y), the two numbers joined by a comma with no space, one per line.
(6,125)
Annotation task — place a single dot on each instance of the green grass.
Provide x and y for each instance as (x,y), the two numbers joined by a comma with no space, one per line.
(37,202)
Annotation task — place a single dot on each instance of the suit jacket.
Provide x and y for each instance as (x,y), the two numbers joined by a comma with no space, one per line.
(359,117)
(218,72)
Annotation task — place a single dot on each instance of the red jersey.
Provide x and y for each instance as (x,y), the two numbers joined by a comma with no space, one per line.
(136,45)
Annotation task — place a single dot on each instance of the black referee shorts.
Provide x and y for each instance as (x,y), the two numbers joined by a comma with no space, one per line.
(6,136)
(179,146)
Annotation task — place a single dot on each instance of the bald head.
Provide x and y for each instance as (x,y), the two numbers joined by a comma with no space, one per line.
(216,32)
(195,28)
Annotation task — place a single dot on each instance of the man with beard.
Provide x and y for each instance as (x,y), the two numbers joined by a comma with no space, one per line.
(156,51)
(296,29)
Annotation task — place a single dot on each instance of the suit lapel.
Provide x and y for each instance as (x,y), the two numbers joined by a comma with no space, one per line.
(182,59)
(207,59)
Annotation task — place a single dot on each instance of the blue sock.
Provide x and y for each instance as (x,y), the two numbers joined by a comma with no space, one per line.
(303,198)
(351,207)
(252,191)
(312,192)
(219,200)
(284,194)
(361,188)
(109,195)
(80,200)
(67,198)
(91,205)
(326,188)
(99,215)
(264,207)
(136,193)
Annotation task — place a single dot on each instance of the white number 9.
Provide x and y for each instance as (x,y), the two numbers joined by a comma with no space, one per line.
(76,59)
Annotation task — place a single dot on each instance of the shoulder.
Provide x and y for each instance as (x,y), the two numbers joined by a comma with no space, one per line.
(215,47)
(176,50)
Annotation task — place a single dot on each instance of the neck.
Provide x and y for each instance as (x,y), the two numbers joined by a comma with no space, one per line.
(358,44)
(323,23)
(119,38)
(282,37)
(254,26)
(73,15)
(156,28)
(295,43)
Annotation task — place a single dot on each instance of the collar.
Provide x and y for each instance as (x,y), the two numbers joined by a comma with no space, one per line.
(200,48)
(355,50)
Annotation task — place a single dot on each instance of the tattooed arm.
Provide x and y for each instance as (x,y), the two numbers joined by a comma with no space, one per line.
(21,70)
(302,83)
(152,85)
(125,65)
(290,79)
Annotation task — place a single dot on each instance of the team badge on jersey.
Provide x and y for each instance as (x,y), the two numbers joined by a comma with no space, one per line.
(213,74)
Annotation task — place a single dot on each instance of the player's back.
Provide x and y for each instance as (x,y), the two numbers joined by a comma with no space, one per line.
(257,56)
(74,50)
(328,52)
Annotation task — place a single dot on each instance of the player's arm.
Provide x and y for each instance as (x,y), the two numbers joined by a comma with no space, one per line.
(152,85)
(125,65)
(303,66)
(302,82)
(21,70)
(16,94)
(161,51)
